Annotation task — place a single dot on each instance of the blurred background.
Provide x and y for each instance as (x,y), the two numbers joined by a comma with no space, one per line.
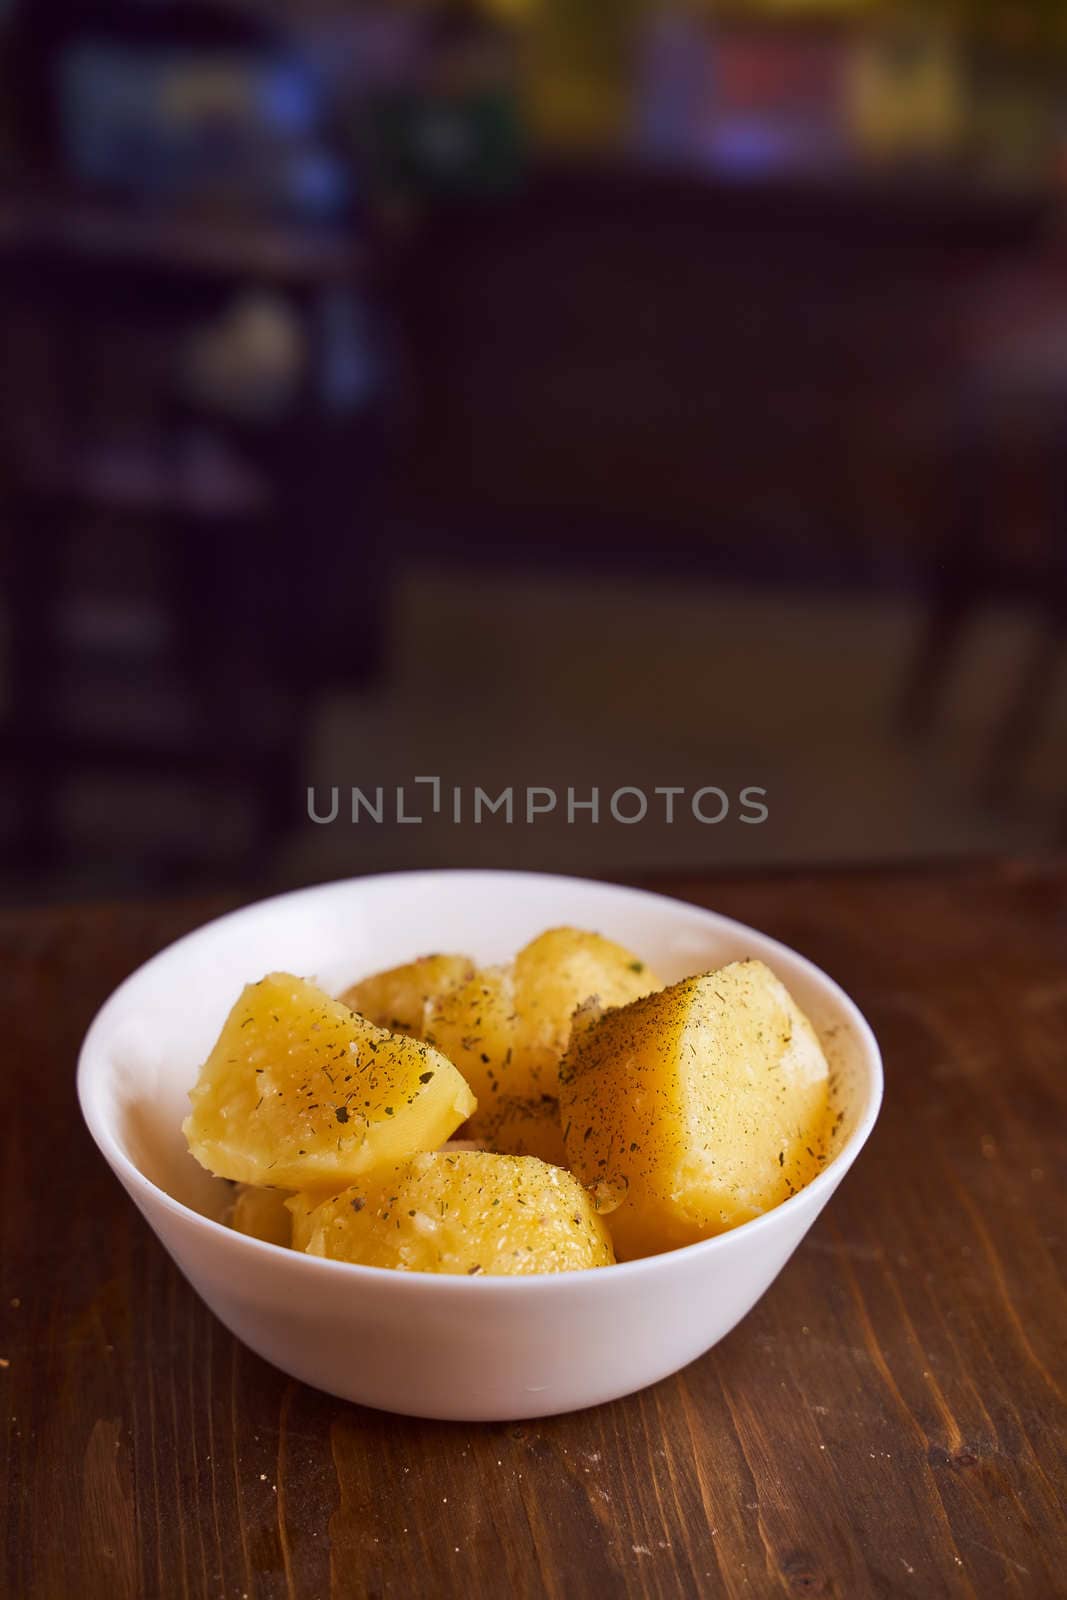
(575,393)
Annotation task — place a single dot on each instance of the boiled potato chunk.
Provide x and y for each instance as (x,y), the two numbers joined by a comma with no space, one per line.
(464,1213)
(474,1026)
(507,1028)
(397,999)
(556,973)
(301,1093)
(696,1109)
(513,1126)
(262,1214)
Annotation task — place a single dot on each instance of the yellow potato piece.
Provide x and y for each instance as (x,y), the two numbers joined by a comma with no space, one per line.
(262,1214)
(507,1027)
(474,1026)
(466,1213)
(397,999)
(302,1093)
(695,1109)
(553,975)
(513,1126)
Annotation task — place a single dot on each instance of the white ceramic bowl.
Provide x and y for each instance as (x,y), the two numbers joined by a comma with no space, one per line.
(472,1348)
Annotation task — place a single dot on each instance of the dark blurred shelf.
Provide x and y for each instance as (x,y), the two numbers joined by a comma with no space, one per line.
(865,203)
(146,480)
(195,759)
(858,203)
(63,224)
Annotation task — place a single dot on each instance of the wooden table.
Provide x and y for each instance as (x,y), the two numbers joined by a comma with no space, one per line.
(888,1421)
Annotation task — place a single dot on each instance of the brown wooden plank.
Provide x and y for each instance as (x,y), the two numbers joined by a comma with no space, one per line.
(890,1420)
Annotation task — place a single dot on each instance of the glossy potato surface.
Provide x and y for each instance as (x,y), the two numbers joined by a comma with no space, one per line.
(397,999)
(468,1213)
(262,1214)
(300,1092)
(507,1027)
(695,1109)
(514,1126)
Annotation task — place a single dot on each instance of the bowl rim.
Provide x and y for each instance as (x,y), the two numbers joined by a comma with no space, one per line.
(818,1190)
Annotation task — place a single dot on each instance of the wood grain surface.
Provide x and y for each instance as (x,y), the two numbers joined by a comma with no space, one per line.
(890,1419)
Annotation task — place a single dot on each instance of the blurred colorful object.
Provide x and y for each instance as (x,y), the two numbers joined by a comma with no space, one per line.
(180,123)
(300,108)
(451,126)
(907,92)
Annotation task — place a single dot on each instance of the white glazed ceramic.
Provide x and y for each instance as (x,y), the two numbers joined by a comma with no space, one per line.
(473,1348)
